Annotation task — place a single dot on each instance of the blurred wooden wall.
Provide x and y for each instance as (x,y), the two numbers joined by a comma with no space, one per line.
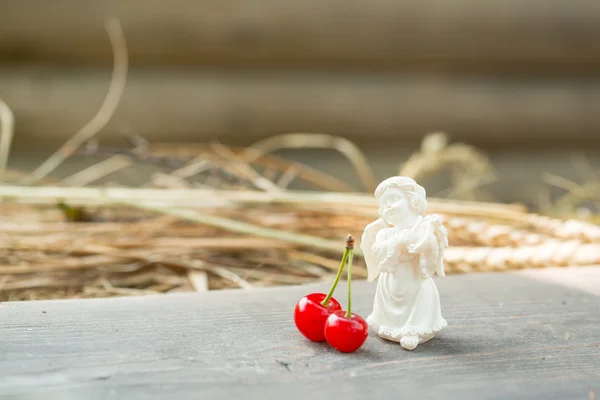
(497,73)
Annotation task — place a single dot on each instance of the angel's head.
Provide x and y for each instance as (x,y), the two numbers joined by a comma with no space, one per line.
(400,197)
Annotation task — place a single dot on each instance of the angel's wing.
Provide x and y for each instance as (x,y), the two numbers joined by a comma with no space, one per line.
(441,240)
(441,234)
(366,244)
(433,243)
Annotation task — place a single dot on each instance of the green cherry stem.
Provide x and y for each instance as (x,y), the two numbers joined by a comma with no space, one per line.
(325,301)
(350,255)
(347,251)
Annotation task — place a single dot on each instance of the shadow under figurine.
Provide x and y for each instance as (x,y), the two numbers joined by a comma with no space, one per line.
(404,248)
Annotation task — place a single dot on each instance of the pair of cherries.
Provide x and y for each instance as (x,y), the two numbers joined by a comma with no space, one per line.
(320,317)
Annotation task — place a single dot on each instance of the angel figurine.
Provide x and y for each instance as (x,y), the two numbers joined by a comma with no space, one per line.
(404,248)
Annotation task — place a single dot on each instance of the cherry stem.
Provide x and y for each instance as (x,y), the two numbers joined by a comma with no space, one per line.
(350,255)
(325,301)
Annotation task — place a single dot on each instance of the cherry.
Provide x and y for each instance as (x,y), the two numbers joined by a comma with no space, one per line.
(311,313)
(312,310)
(346,331)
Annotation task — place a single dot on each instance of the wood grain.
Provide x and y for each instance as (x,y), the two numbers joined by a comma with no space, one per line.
(583,279)
(537,35)
(509,337)
(244,107)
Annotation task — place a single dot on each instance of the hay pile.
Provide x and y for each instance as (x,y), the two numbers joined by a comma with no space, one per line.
(223,218)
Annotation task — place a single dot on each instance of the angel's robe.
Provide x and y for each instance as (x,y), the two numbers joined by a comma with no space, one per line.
(406,303)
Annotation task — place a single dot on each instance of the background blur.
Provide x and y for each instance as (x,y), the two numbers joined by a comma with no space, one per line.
(520,80)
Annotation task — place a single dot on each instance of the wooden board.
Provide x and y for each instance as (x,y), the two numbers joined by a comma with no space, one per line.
(244,107)
(509,337)
(536,35)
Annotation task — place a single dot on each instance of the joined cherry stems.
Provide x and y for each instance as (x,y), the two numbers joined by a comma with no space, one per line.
(347,257)
(350,255)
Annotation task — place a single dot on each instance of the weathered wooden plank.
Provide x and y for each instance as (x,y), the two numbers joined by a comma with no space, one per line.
(583,279)
(429,34)
(243,107)
(509,337)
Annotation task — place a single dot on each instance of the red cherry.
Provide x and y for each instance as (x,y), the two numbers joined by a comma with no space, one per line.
(345,330)
(346,333)
(310,315)
(312,310)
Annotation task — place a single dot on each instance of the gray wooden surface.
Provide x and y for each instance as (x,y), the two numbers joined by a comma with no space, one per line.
(510,336)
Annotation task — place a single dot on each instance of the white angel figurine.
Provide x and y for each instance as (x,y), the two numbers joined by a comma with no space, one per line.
(404,248)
